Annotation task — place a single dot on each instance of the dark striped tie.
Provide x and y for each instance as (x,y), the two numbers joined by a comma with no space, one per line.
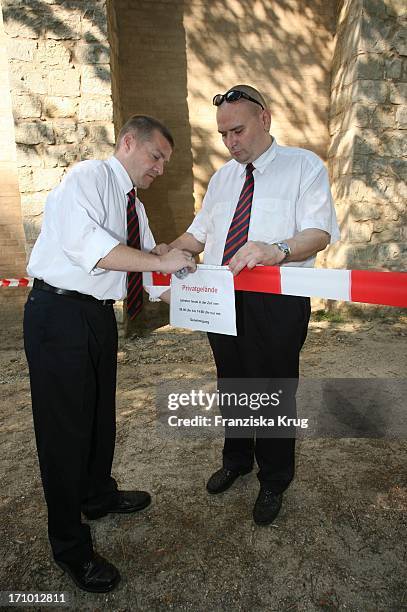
(239,228)
(134,279)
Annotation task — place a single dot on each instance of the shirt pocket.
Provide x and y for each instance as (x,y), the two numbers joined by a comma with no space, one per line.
(271,220)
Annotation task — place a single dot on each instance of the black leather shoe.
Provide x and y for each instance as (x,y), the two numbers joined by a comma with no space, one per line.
(126,502)
(267,507)
(222,480)
(95,576)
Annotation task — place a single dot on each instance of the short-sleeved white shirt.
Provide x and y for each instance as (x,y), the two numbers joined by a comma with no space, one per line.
(291,193)
(85,217)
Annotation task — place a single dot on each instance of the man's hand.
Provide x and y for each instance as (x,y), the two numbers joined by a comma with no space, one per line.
(253,253)
(161,249)
(174,260)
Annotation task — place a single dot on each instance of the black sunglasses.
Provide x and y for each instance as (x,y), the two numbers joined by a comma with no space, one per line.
(233,96)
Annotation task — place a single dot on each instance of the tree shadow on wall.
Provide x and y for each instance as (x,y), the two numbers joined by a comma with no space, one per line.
(66,23)
(260,43)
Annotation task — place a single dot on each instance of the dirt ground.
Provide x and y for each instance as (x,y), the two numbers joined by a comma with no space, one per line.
(339,542)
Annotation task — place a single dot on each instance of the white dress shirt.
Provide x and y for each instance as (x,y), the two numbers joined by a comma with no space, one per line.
(291,193)
(85,217)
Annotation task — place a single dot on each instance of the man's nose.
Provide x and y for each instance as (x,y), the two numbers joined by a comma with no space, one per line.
(231,141)
(159,167)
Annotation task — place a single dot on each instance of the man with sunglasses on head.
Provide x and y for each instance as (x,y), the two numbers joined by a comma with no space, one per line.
(95,231)
(268,205)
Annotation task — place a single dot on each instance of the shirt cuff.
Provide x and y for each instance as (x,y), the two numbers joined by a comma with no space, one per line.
(155,292)
(95,247)
(197,234)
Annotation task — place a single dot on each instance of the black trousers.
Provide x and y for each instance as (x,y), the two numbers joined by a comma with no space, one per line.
(271,331)
(71,348)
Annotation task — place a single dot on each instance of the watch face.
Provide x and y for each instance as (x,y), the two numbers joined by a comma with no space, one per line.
(283,246)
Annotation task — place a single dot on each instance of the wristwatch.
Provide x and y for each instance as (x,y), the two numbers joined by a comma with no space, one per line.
(284,248)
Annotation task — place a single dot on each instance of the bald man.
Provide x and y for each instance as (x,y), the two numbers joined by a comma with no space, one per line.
(268,205)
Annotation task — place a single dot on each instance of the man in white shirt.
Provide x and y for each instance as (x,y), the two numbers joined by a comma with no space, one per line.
(80,264)
(269,205)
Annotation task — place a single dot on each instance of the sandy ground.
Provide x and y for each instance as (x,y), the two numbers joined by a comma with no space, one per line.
(339,542)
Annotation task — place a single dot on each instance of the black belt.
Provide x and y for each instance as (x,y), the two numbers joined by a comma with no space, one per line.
(43,286)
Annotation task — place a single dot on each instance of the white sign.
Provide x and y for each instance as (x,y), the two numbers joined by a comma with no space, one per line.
(204,300)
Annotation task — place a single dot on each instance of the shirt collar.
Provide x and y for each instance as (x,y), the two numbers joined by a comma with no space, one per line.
(261,163)
(120,172)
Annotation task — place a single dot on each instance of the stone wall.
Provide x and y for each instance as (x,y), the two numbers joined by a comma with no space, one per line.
(368,124)
(59,63)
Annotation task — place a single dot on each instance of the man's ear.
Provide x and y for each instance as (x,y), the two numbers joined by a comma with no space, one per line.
(128,141)
(266,118)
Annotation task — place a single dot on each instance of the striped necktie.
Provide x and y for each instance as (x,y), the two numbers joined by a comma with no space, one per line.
(239,228)
(134,279)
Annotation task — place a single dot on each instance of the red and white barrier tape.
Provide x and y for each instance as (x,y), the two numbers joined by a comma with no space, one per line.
(367,286)
(16,282)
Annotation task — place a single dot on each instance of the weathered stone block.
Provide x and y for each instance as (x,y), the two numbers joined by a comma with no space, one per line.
(67,130)
(367,142)
(94,23)
(379,166)
(398,93)
(401,117)
(95,151)
(57,106)
(375,35)
(28,156)
(393,68)
(99,133)
(33,204)
(33,133)
(45,179)
(370,66)
(61,155)
(364,211)
(371,91)
(20,49)
(383,117)
(358,232)
(92,53)
(397,8)
(63,23)
(95,109)
(25,79)
(64,82)
(54,53)
(96,80)
(21,22)
(399,42)
(383,234)
(394,143)
(363,114)
(399,169)
(25,180)
(26,105)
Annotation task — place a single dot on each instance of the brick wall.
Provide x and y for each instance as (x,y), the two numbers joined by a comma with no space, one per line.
(12,240)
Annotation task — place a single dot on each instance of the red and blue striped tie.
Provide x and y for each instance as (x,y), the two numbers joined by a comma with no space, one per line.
(239,228)
(134,279)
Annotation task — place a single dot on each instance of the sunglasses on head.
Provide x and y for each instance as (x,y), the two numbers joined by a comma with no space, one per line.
(233,96)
